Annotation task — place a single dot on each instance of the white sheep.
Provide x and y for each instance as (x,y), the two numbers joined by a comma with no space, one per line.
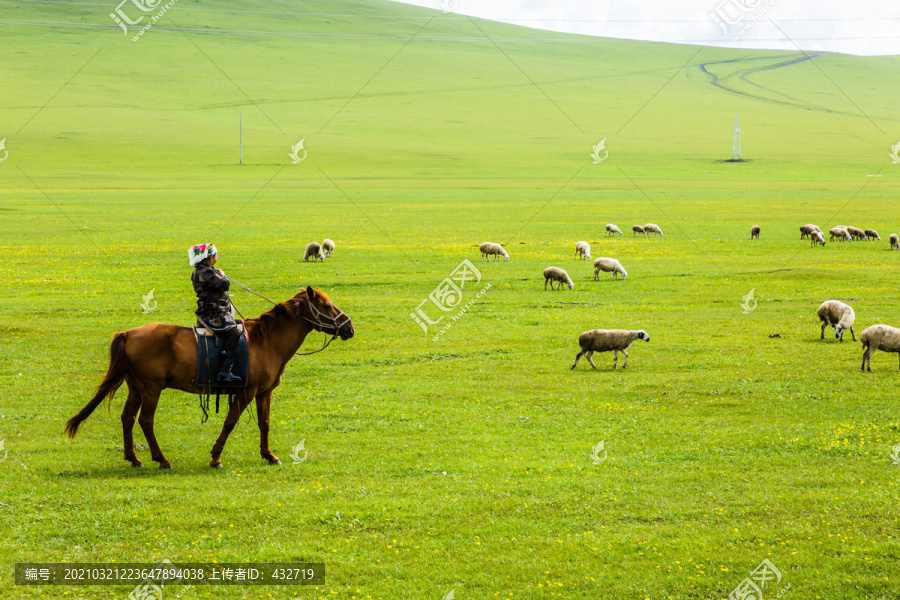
(552,274)
(817,237)
(582,249)
(606,340)
(895,245)
(871,233)
(609,265)
(327,247)
(612,229)
(878,337)
(841,233)
(491,249)
(754,232)
(806,230)
(314,251)
(837,315)
(653,228)
(638,229)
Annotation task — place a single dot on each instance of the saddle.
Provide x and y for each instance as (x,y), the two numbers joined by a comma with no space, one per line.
(209,362)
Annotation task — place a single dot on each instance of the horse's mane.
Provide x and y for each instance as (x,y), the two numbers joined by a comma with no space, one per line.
(267,320)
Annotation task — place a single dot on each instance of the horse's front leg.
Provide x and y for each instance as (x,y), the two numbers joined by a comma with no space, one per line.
(263,404)
(241,401)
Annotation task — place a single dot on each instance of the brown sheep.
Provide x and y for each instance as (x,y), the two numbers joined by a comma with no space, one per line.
(806,230)
(314,251)
(608,340)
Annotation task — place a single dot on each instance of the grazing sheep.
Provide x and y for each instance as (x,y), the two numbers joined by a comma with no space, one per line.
(871,233)
(609,265)
(583,249)
(327,247)
(314,251)
(856,232)
(552,274)
(754,232)
(817,237)
(652,228)
(894,243)
(638,229)
(841,233)
(606,340)
(489,248)
(878,337)
(612,229)
(805,230)
(838,315)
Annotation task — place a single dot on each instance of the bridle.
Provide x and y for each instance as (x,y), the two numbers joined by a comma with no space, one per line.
(317,320)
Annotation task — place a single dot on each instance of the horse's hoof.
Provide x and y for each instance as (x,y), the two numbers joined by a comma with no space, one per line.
(137,465)
(166,466)
(216,465)
(275,462)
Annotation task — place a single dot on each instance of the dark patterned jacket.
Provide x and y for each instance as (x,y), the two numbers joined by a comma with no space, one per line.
(213,304)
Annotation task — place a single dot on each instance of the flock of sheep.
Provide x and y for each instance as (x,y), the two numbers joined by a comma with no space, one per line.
(556,275)
(841,233)
(596,340)
(832,312)
(319,252)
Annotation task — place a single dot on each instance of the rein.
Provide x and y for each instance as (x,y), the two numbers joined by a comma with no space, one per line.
(316,314)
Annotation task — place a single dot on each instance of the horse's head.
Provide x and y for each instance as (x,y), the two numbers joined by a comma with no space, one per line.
(324,316)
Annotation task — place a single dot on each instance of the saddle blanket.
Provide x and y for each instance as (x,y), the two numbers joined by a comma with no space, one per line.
(209,360)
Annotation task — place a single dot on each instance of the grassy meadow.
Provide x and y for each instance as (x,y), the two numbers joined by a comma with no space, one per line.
(461,463)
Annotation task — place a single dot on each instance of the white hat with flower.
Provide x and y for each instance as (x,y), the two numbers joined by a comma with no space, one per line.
(201,252)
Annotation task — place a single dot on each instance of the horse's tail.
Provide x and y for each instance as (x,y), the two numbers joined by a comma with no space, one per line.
(118,365)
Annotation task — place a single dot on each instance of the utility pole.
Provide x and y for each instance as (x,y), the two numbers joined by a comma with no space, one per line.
(736,144)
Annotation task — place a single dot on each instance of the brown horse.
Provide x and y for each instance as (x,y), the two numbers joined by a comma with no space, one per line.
(153,357)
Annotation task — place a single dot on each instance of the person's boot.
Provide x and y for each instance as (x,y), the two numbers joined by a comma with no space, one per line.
(225,373)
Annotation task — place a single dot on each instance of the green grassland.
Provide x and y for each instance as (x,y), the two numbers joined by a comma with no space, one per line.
(461,463)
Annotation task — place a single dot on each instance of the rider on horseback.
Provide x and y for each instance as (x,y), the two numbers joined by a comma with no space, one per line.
(214,305)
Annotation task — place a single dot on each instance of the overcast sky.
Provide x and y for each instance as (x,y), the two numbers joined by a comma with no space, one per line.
(864,27)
